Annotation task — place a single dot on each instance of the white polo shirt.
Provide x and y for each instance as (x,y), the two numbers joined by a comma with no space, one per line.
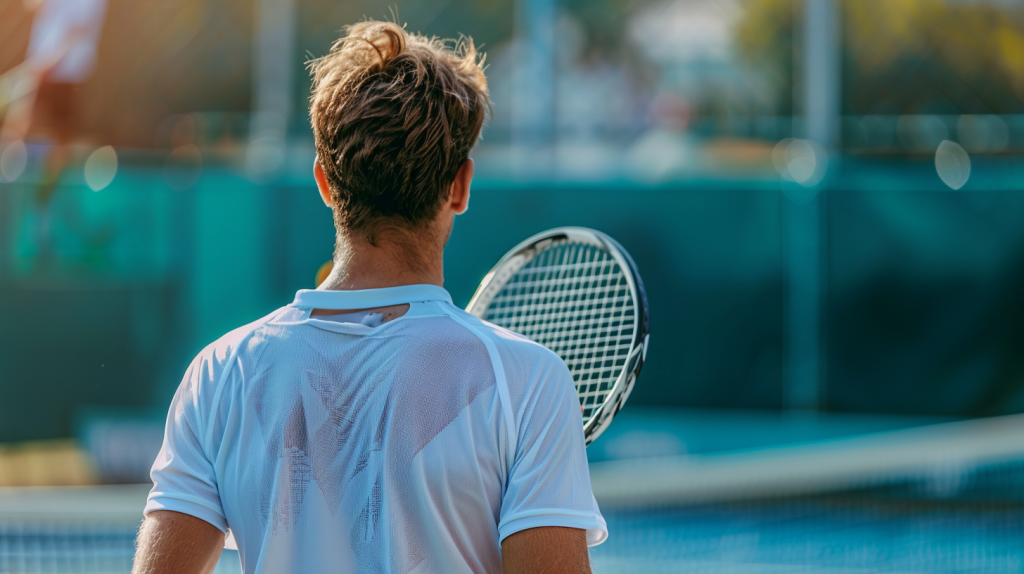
(415,445)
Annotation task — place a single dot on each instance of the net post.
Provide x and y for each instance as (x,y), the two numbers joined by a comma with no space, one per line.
(804,209)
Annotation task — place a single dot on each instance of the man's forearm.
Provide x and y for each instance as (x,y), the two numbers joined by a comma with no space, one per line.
(547,549)
(171,542)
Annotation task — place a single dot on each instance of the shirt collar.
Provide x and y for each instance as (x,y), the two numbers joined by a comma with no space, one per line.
(369,298)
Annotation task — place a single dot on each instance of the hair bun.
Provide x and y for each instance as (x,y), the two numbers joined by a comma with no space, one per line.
(381,43)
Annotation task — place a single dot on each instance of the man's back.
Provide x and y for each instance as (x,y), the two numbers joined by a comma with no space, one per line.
(413,445)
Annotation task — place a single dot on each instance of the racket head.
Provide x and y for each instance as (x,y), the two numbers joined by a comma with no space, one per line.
(577,292)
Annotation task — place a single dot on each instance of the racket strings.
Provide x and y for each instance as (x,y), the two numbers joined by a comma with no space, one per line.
(575,300)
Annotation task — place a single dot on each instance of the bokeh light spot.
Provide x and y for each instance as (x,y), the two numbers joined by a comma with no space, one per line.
(13,160)
(100,168)
(982,134)
(953,164)
(802,161)
(263,157)
(779,157)
(921,133)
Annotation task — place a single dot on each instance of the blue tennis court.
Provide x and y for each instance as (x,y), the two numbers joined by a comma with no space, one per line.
(943,517)
(836,534)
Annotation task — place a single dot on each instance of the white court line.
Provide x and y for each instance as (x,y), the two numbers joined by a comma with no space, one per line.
(939,450)
(807,468)
(113,503)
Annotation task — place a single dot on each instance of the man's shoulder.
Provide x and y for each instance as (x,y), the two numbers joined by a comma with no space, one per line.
(532,372)
(219,352)
(509,342)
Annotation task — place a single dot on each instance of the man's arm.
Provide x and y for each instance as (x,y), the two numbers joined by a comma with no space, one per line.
(175,543)
(546,549)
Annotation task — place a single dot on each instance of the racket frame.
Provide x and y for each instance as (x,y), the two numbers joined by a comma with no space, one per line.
(520,255)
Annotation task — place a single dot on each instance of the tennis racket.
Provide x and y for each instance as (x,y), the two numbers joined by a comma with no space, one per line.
(577,292)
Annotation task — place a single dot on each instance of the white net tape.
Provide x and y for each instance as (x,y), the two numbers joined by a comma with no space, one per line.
(574,299)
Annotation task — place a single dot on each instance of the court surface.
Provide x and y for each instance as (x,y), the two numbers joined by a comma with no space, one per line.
(698,491)
(728,491)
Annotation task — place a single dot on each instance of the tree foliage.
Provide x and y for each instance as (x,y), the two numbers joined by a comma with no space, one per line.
(906,56)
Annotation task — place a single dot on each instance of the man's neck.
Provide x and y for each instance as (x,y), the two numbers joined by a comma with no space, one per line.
(398,258)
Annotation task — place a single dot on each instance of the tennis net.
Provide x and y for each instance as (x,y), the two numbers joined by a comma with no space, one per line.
(72,530)
(930,498)
(936,498)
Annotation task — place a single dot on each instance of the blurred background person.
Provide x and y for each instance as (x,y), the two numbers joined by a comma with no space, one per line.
(61,56)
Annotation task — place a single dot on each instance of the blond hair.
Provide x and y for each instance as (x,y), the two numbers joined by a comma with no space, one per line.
(394,117)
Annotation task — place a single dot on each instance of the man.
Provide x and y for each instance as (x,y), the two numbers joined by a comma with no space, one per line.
(371,425)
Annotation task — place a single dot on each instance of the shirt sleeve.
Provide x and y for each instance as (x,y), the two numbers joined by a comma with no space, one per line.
(183,474)
(549,480)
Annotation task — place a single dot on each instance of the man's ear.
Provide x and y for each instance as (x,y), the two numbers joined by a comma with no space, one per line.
(321,182)
(459,201)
